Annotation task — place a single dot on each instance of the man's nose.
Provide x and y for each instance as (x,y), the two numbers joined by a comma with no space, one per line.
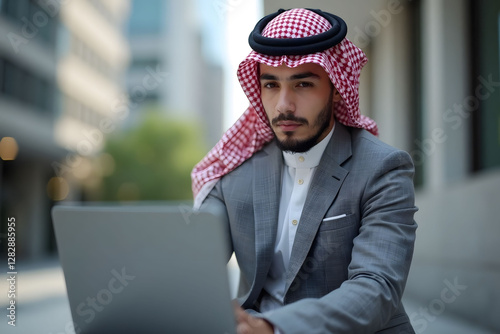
(286,103)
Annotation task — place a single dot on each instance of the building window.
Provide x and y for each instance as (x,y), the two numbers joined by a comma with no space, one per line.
(26,87)
(30,15)
(140,64)
(1,75)
(486,64)
(80,111)
(146,17)
(13,80)
(15,9)
(91,58)
(417,112)
(152,99)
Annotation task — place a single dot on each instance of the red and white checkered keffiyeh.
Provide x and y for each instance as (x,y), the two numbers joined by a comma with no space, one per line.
(251,131)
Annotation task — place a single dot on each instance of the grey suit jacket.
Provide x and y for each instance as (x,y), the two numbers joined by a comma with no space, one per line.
(346,275)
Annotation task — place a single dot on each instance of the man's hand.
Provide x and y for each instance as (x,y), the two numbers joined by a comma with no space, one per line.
(247,324)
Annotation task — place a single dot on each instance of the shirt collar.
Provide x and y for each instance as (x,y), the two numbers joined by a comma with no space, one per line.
(309,159)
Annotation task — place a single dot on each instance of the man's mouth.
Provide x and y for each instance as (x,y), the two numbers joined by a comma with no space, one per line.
(288,126)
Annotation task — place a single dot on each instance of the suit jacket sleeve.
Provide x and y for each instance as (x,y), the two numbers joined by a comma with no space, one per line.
(215,203)
(381,257)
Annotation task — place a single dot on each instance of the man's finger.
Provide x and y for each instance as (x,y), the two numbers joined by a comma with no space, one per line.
(241,315)
(243,328)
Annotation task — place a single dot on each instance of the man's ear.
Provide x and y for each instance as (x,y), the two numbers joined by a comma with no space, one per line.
(336,95)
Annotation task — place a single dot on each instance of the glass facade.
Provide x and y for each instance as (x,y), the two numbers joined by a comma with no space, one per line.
(486,145)
(146,17)
(140,64)
(34,22)
(26,87)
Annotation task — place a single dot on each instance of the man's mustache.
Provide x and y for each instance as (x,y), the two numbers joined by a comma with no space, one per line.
(289,117)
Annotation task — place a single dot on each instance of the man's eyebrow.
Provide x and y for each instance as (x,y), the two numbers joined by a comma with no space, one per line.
(297,76)
(268,77)
(304,76)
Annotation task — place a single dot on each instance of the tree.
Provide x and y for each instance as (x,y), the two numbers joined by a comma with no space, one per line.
(153,161)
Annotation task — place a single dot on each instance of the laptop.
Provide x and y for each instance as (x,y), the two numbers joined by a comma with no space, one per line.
(144,269)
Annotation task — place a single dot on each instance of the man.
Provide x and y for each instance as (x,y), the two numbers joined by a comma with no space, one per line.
(320,212)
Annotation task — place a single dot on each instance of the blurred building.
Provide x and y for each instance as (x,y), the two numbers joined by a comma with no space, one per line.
(169,69)
(433,85)
(61,63)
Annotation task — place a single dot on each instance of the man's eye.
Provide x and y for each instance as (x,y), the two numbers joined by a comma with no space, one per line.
(269,85)
(305,84)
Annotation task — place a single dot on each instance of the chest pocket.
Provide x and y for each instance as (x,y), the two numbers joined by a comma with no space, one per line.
(335,239)
(334,223)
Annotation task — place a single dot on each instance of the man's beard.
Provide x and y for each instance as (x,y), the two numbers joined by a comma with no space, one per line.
(304,145)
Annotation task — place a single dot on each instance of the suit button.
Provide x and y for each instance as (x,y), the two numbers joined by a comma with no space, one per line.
(295,222)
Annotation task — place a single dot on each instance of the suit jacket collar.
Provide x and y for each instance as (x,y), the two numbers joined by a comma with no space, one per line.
(267,172)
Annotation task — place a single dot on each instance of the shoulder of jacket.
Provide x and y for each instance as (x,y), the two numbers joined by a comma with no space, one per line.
(364,140)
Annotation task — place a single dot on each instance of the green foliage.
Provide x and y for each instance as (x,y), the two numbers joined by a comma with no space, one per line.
(153,161)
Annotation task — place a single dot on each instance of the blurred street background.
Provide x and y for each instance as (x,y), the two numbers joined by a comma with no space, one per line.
(116,100)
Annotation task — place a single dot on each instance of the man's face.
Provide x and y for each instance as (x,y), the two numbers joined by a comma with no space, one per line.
(299,104)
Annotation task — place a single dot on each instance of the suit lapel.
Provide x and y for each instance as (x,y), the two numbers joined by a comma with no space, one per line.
(325,185)
(267,190)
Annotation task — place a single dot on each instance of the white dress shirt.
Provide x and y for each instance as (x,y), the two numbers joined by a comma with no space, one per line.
(298,171)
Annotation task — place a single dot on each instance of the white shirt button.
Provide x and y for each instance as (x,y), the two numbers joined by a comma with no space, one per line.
(294,222)
(301,181)
(301,159)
